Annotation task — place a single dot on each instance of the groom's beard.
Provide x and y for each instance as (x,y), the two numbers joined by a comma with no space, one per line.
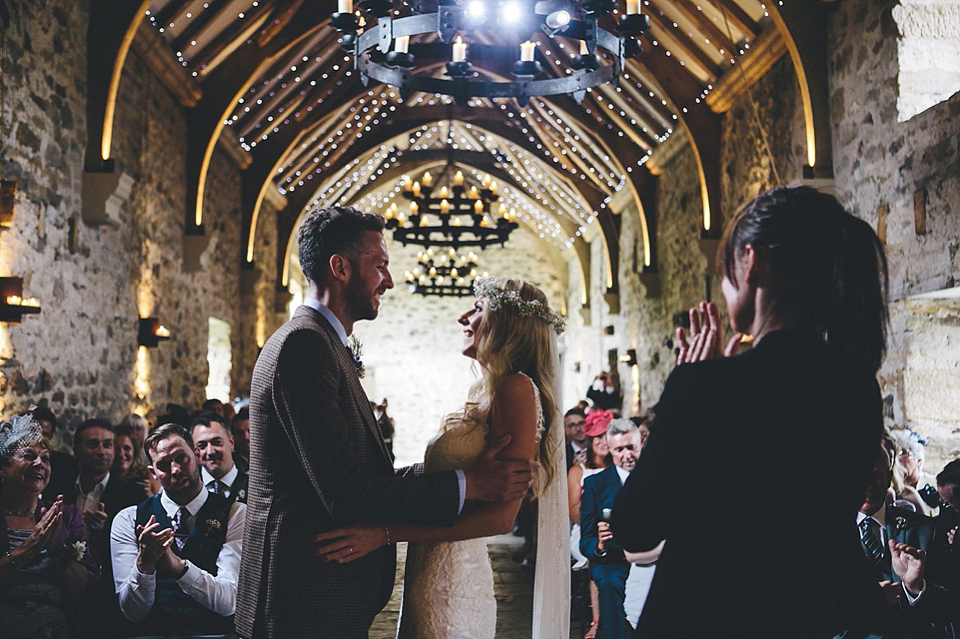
(359,304)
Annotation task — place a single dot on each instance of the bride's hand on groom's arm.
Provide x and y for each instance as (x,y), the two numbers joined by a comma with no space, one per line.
(343,545)
(494,480)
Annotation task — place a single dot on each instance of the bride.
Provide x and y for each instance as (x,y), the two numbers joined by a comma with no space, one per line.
(448,589)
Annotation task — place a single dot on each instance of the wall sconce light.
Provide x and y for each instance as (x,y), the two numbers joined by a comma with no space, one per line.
(630,359)
(151,332)
(12,305)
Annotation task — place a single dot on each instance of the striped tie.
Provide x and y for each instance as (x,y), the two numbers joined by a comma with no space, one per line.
(870,538)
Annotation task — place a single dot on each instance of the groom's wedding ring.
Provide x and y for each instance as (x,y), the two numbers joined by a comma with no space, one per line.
(351,550)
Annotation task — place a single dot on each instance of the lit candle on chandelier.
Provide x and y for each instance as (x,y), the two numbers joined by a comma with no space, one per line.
(444,207)
(527,48)
(345,6)
(443,191)
(414,208)
(474,193)
(416,189)
(401,44)
(407,183)
(458,179)
(391,211)
(633,6)
(459,50)
(427,179)
(477,207)
(486,181)
(456,221)
(493,187)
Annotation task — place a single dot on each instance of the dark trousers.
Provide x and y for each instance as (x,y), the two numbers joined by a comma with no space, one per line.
(611,582)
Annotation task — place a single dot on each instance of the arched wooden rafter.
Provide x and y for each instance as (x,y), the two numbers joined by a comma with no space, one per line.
(111,30)
(224,87)
(486,119)
(803,25)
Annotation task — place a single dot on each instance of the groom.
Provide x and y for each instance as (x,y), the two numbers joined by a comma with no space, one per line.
(317,457)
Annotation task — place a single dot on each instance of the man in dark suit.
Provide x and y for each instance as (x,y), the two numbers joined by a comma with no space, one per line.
(317,457)
(878,525)
(214,450)
(100,496)
(573,423)
(608,566)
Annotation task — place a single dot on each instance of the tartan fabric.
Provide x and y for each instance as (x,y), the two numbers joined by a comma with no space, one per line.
(318,461)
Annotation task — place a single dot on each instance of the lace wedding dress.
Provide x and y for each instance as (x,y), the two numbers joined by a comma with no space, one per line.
(448,586)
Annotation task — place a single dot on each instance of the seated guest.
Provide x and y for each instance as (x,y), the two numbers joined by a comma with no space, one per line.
(98,495)
(912,484)
(240,428)
(127,464)
(138,429)
(212,406)
(608,566)
(176,556)
(63,467)
(878,525)
(44,562)
(573,422)
(930,609)
(213,445)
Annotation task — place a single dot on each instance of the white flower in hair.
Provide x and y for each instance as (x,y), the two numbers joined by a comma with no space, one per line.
(497,298)
(19,432)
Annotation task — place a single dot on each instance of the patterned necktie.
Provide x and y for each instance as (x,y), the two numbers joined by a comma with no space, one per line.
(870,538)
(218,488)
(180,528)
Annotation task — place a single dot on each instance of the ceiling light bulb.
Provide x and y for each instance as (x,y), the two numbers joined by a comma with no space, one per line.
(476,9)
(558,19)
(511,13)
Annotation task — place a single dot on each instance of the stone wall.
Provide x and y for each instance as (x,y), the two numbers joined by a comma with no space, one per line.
(80,354)
(880,166)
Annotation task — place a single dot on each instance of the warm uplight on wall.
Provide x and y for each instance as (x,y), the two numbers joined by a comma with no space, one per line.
(630,359)
(151,332)
(13,306)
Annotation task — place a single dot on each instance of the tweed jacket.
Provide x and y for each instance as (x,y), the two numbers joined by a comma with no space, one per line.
(317,462)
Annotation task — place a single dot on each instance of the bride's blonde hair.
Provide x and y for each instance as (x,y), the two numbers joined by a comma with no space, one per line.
(509,342)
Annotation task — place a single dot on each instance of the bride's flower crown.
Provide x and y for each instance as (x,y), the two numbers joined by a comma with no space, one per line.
(497,297)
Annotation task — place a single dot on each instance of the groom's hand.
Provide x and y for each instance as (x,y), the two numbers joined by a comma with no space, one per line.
(493,480)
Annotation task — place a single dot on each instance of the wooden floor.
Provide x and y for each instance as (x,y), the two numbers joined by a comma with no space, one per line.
(513,587)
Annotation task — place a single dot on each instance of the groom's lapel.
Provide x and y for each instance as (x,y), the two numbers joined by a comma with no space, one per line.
(345,357)
(349,366)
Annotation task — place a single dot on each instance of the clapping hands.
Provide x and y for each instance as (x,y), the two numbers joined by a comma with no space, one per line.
(706,335)
(153,544)
(908,562)
(44,534)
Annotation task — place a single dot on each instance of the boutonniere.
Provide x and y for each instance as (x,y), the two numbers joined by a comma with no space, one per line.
(356,349)
(79,549)
(900,523)
(241,495)
(213,524)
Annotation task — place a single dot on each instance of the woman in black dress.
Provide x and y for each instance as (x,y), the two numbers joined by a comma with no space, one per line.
(756,463)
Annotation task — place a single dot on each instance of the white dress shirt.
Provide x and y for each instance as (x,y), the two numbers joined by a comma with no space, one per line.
(319,307)
(90,502)
(137,590)
(227,480)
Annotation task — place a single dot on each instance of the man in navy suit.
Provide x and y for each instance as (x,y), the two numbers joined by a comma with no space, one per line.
(608,566)
(878,524)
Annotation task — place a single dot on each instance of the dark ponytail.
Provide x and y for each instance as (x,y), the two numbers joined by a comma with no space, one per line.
(830,267)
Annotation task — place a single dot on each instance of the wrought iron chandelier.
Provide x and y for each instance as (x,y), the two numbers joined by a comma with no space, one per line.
(384,53)
(443,273)
(455,217)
